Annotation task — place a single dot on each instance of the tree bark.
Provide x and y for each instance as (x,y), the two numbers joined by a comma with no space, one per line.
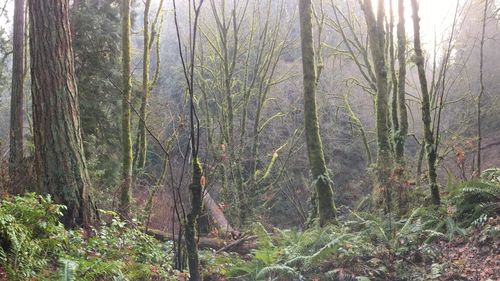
(16,101)
(140,156)
(426,108)
(481,89)
(376,36)
(324,191)
(126,184)
(59,158)
(403,114)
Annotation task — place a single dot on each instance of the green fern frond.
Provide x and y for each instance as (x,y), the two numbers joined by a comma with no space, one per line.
(280,271)
(68,269)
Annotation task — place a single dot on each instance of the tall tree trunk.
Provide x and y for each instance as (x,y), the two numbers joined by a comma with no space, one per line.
(140,156)
(426,108)
(376,36)
(394,81)
(126,184)
(403,114)
(16,101)
(481,89)
(59,158)
(323,183)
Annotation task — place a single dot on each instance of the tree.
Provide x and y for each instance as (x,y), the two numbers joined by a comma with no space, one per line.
(323,184)
(126,185)
(426,108)
(59,159)
(377,40)
(197,185)
(481,86)
(17,96)
(98,70)
(148,41)
(401,91)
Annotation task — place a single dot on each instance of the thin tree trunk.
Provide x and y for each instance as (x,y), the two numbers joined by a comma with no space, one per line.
(140,155)
(481,90)
(59,158)
(426,108)
(17,100)
(126,184)
(403,114)
(323,183)
(376,36)
(394,80)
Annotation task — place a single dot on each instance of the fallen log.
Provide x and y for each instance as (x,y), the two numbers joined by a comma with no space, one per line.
(242,246)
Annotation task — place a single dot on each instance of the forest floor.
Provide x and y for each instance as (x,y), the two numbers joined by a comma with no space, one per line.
(473,257)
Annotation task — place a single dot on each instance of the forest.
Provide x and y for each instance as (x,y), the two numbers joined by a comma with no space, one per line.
(273,140)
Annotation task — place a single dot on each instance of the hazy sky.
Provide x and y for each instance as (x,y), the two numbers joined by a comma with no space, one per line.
(437,16)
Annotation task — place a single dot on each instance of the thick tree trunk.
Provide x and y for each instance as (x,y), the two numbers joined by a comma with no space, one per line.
(216,214)
(323,183)
(126,184)
(16,101)
(59,158)
(426,108)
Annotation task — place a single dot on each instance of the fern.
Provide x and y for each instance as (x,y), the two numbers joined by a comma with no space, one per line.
(68,270)
(475,198)
(280,271)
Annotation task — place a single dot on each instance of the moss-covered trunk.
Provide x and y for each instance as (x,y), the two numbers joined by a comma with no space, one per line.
(59,158)
(403,114)
(376,36)
(430,144)
(126,184)
(323,184)
(16,101)
(196,188)
(140,156)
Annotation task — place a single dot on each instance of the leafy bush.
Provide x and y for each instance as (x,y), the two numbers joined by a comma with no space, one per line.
(119,251)
(30,234)
(475,199)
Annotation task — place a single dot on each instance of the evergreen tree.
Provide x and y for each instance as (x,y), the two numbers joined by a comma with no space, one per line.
(59,159)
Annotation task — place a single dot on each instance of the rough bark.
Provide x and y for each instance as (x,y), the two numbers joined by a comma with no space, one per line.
(426,108)
(16,101)
(59,158)
(323,183)
(126,184)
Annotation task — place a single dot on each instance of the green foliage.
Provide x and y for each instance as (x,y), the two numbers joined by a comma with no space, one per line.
(119,251)
(35,244)
(97,66)
(30,234)
(278,271)
(68,270)
(491,175)
(475,199)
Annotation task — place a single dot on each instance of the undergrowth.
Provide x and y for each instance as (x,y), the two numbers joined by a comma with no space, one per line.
(362,246)
(35,246)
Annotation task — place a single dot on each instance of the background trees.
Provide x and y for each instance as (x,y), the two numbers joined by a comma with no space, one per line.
(369,82)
